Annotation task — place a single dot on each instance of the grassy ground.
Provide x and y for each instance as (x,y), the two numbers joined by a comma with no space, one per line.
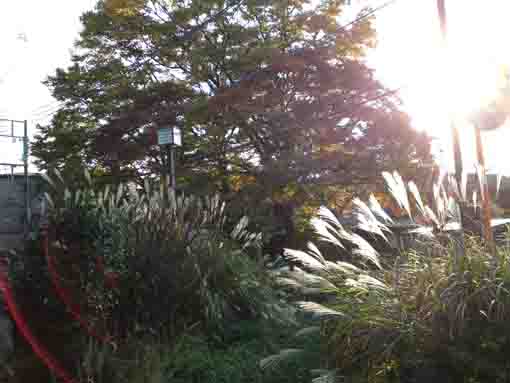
(235,358)
(193,358)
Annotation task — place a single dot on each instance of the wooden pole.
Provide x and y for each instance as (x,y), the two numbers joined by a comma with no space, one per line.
(457,153)
(486,199)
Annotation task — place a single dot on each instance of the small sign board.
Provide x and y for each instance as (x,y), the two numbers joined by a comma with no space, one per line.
(177,137)
(165,136)
(169,136)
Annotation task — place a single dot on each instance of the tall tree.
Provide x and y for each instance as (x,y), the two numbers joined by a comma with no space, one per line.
(269,95)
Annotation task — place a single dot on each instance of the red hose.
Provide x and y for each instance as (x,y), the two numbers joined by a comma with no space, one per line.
(43,354)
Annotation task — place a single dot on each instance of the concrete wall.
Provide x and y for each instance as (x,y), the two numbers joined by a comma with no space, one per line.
(13,231)
(12,208)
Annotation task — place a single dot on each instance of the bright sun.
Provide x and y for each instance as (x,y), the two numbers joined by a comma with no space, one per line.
(410,56)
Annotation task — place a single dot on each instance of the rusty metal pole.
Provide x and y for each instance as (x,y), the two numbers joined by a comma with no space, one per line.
(486,198)
(457,153)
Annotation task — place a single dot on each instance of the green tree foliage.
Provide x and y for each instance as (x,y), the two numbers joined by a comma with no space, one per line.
(271,96)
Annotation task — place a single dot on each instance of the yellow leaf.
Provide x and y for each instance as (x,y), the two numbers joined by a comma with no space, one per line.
(123,8)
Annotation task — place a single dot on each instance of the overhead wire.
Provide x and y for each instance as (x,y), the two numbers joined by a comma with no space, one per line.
(47,106)
(344,27)
(389,92)
(47,110)
(372,12)
(43,119)
(45,114)
(362,17)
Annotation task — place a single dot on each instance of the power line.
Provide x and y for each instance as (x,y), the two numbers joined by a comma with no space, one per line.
(49,109)
(43,118)
(368,14)
(47,106)
(388,93)
(249,76)
(46,112)
(189,33)
(357,20)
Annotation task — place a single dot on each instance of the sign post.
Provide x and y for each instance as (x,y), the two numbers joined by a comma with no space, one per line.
(169,138)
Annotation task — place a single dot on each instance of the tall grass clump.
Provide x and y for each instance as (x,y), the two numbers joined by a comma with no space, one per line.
(137,277)
(412,316)
(150,260)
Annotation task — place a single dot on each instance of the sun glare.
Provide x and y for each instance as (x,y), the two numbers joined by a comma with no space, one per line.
(476,54)
(437,84)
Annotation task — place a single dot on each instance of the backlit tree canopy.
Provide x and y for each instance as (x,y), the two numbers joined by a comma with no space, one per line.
(272,91)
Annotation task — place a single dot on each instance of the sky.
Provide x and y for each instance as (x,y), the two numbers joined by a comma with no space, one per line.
(37,38)
(436,84)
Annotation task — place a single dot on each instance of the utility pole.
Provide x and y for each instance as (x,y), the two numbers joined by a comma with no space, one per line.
(27,178)
(457,154)
(486,198)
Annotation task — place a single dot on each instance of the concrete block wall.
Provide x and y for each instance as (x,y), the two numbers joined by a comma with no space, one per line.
(13,210)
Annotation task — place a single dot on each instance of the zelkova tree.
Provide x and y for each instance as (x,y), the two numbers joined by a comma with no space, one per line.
(271,96)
